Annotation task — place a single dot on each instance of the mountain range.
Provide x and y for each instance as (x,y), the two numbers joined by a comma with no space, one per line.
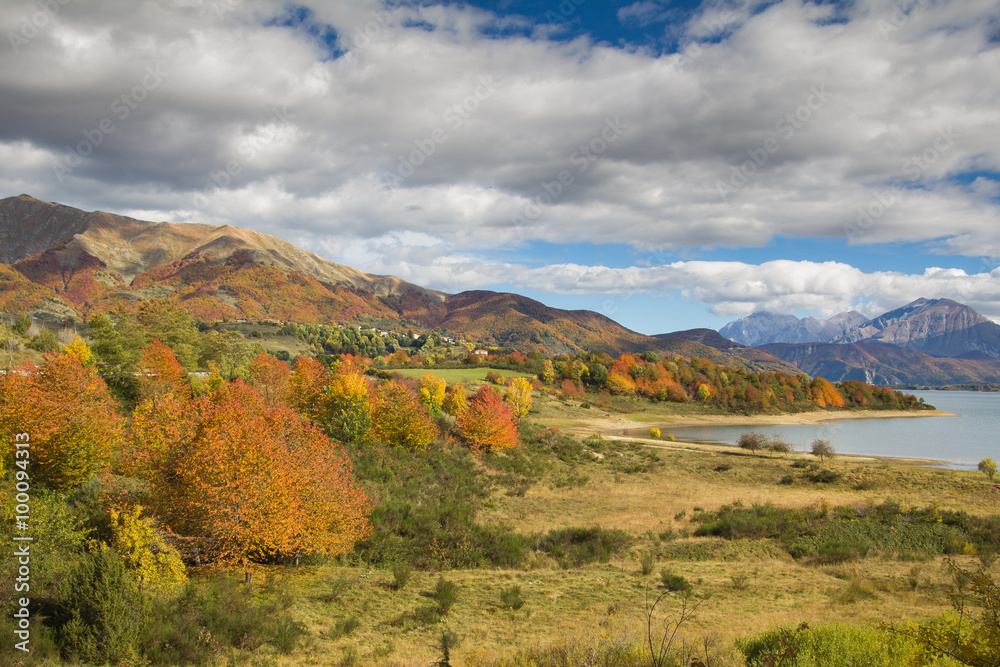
(61,262)
(926,342)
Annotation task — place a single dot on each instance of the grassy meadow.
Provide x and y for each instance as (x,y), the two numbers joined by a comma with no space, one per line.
(662,495)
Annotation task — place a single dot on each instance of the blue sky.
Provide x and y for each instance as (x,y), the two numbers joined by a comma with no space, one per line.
(669,164)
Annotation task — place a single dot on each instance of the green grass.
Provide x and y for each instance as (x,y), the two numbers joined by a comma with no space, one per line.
(470,375)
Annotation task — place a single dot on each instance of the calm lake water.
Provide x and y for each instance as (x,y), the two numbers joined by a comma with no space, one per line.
(959,441)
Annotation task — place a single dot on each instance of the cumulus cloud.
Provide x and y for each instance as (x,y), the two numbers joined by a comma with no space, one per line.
(356,127)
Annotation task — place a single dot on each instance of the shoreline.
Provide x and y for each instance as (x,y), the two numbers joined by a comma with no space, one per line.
(793,418)
(620,425)
(618,429)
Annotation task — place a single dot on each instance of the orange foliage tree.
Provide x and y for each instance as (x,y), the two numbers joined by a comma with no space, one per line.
(488,423)
(399,419)
(271,377)
(241,480)
(68,412)
(825,394)
(307,385)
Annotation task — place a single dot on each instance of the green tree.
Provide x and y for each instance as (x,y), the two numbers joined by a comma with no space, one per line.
(752,442)
(99,612)
(22,325)
(988,466)
(229,351)
(823,449)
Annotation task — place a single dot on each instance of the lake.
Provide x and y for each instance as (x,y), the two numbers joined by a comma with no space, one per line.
(959,441)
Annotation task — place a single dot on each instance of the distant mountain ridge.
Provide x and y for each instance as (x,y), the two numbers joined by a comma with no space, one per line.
(762,328)
(882,364)
(938,327)
(64,262)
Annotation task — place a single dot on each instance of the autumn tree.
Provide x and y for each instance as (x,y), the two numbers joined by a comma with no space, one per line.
(67,410)
(432,392)
(347,413)
(488,423)
(161,376)
(241,480)
(271,377)
(454,399)
(518,395)
(399,419)
(308,388)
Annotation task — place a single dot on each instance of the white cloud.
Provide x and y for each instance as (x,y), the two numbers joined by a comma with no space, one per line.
(825,109)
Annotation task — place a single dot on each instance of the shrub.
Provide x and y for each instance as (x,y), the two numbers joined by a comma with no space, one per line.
(99,611)
(510,598)
(674,582)
(400,575)
(787,479)
(740,581)
(834,645)
(580,546)
(445,593)
(646,563)
(654,433)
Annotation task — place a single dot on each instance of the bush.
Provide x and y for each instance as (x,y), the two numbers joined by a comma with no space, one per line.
(647,563)
(753,442)
(445,593)
(400,575)
(510,598)
(674,582)
(580,546)
(834,645)
(215,616)
(99,612)
(654,433)
(822,448)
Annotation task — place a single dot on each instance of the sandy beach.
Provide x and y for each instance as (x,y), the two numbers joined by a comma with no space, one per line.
(619,425)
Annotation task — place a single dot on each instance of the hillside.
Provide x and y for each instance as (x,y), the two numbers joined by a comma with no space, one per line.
(732,353)
(66,263)
(884,364)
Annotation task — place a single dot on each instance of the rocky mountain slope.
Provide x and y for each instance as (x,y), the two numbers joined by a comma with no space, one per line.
(763,327)
(64,262)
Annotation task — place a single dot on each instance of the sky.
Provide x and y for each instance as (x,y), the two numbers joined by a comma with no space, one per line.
(670,164)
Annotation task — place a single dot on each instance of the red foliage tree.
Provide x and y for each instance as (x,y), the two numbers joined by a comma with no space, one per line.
(488,423)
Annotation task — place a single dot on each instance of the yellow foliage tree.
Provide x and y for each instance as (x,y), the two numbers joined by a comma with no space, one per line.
(399,419)
(454,399)
(155,564)
(432,392)
(518,394)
